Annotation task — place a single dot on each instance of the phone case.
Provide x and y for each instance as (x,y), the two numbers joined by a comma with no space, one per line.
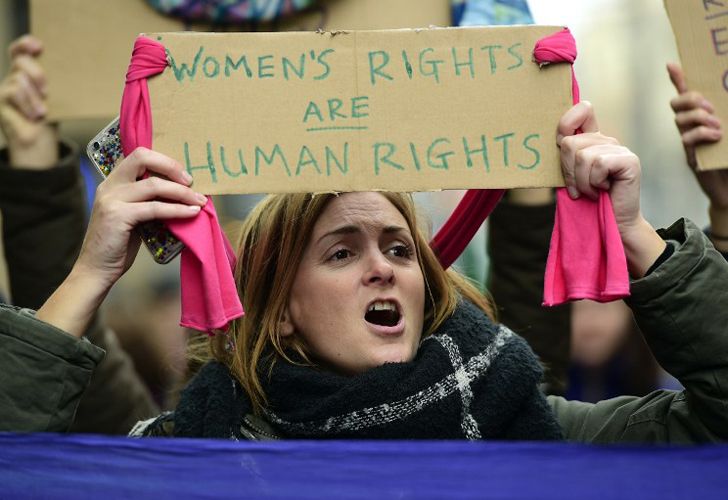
(105,152)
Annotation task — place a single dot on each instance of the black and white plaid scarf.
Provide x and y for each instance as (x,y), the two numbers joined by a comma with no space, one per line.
(472,379)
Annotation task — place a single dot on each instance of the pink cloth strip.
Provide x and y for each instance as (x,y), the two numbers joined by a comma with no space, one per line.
(209,296)
(586,257)
(460,227)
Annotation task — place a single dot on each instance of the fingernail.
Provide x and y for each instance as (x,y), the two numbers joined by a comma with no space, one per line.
(705,104)
(187,177)
(573,192)
(559,138)
(194,208)
(201,198)
(713,120)
(41,111)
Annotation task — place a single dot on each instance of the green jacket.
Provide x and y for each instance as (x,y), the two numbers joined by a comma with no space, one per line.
(680,306)
(682,310)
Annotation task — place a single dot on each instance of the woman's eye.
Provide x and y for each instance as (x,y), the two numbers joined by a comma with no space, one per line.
(341,254)
(400,251)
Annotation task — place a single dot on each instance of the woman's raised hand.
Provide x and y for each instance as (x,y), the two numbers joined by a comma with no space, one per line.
(590,162)
(123,202)
(109,248)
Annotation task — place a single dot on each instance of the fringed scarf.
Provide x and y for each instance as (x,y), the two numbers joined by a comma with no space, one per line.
(472,379)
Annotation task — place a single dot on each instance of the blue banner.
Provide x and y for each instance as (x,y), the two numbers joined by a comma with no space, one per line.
(83,466)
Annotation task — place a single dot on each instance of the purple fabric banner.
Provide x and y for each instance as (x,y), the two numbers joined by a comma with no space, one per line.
(82,466)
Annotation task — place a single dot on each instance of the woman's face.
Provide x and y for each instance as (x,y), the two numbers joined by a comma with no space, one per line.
(358,296)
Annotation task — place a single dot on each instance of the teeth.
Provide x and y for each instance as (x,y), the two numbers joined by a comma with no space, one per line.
(382,306)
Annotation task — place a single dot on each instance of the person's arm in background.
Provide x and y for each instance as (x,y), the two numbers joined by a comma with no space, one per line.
(698,125)
(519,232)
(41,195)
(42,202)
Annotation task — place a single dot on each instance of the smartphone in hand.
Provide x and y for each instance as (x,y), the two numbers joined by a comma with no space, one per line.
(104,151)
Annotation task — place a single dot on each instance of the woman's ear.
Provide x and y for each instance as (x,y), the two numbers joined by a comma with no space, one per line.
(286,325)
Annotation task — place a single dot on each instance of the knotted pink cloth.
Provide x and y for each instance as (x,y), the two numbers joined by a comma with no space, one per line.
(586,257)
(209,296)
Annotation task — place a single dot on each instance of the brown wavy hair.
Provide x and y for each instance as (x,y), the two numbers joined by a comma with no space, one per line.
(273,239)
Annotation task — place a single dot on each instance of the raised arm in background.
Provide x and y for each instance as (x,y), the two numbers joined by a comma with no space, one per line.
(697,124)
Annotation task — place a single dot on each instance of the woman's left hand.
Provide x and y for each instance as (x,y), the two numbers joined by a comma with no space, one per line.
(590,162)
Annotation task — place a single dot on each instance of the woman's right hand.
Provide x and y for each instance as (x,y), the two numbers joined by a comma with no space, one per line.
(123,202)
(110,246)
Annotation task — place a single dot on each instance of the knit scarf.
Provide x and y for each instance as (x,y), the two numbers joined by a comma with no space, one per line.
(472,379)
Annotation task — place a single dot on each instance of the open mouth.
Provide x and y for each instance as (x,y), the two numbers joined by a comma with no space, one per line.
(383,313)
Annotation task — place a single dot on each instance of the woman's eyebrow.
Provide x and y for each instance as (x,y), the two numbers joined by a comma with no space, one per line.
(348,229)
(352,229)
(395,229)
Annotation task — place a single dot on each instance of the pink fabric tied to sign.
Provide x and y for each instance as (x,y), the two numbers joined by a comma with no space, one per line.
(586,257)
(209,296)
(463,223)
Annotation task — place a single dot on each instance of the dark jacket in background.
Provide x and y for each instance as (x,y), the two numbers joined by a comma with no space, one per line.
(43,226)
(518,245)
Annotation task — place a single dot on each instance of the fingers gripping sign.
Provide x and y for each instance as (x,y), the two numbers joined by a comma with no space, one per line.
(123,202)
(591,162)
(143,160)
(694,115)
(697,124)
(109,247)
(577,120)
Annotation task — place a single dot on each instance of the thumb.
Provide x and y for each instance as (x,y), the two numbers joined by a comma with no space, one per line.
(580,117)
(677,77)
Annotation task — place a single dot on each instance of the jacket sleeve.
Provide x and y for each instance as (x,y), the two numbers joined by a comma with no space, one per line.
(44,373)
(43,226)
(681,309)
(518,245)
(117,397)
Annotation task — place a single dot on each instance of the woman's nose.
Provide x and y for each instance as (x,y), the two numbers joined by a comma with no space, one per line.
(379,270)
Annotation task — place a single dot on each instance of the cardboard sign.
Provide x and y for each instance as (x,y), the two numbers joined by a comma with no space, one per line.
(701,32)
(87,53)
(400,110)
